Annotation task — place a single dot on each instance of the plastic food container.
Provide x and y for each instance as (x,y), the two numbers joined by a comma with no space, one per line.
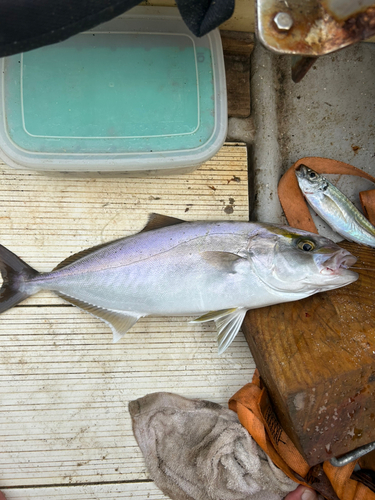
(138,94)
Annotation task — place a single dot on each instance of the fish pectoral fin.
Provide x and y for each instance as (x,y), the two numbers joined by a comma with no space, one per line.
(228,322)
(228,327)
(333,207)
(119,322)
(214,315)
(225,261)
(157,221)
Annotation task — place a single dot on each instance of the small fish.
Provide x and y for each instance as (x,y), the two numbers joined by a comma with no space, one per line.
(334,207)
(214,270)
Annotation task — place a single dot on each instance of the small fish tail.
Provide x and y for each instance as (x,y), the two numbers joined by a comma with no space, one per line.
(14,273)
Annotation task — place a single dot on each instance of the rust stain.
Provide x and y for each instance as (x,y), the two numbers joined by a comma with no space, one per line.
(346,13)
(234,179)
(355,148)
(316,30)
(229,209)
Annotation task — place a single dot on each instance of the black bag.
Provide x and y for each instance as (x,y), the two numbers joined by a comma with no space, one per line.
(29,24)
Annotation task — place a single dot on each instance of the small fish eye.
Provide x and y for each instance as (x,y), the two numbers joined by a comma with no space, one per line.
(312,175)
(306,246)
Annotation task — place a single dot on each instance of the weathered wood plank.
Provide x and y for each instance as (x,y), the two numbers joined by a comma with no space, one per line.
(119,491)
(64,386)
(237,48)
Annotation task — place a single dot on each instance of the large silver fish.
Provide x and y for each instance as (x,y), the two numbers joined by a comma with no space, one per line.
(334,207)
(215,270)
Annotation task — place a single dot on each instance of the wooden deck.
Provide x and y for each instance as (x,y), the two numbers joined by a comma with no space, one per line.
(65,431)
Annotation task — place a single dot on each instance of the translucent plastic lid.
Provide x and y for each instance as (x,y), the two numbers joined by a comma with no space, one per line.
(137,93)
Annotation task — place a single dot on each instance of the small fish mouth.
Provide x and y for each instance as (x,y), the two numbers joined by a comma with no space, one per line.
(301,171)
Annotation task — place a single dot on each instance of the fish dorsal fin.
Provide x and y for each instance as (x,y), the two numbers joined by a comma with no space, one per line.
(119,322)
(228,322)
(157,221)
(81,254)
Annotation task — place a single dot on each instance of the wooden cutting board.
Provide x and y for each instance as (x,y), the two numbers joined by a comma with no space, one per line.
(317,359)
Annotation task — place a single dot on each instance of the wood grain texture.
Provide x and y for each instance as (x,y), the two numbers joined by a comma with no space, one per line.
(64,386)
(317,358)
(137,491)
(237,51)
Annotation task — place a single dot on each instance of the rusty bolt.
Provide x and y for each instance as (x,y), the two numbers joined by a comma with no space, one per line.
(283,21)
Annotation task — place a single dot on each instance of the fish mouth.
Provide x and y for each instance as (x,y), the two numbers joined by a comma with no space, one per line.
(301,171)
(339,264)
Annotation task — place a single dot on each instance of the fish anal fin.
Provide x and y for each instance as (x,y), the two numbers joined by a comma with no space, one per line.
(81,254)
(119,322)
(157,221)
(225,261)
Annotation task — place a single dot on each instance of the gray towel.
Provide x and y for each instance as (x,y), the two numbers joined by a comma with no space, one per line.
(198,450)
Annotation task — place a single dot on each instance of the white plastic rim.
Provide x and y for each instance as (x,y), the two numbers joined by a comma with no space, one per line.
(144,162)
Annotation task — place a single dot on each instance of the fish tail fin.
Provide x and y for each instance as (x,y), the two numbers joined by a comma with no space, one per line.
(14,273)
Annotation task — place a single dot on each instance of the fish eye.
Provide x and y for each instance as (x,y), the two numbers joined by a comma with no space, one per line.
(306,245)
(312,175)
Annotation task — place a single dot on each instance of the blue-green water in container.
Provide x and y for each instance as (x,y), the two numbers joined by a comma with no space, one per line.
(111,93)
